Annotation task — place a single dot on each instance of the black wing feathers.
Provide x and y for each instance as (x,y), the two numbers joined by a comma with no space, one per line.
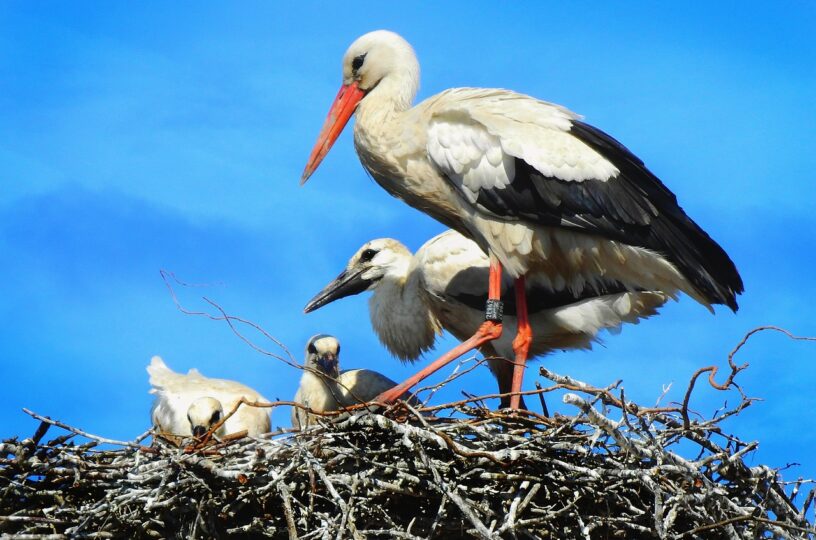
(633,207)
(538,298)
(672,232)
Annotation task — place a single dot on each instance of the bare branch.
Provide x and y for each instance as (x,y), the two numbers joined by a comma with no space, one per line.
(613,470)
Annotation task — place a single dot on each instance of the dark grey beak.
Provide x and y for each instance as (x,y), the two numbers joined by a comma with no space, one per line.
(328,364)
(346,284)
(199,431)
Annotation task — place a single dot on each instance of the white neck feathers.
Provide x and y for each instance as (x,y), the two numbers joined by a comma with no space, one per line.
(400,317)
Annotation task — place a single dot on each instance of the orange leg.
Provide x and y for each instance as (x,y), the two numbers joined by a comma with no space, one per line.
(521,344)
(489,330)
(502,369)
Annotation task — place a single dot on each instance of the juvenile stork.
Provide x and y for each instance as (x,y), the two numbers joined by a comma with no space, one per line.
(540,191)
(444,286)
(323,387)
(191,404)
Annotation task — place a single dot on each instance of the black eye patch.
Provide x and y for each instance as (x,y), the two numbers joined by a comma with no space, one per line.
(216,416)
(367,255)
(357,63)
(311,348)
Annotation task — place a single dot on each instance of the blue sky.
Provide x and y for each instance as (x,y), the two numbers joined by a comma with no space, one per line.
(136,137)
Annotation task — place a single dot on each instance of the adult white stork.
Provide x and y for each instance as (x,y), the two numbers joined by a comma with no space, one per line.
(536,188)
(323,387)
(444,286)
(190,404)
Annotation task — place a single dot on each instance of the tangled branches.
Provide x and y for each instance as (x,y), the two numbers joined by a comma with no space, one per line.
(613,470)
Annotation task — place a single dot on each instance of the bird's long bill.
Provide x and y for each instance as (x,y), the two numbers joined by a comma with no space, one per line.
(346,284)
(341,110)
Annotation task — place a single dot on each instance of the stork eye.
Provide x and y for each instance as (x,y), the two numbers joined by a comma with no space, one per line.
(357,63)
(311,349)
(367,255)
(216,416)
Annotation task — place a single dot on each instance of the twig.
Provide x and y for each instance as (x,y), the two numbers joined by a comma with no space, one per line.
(735,369)
(76,431)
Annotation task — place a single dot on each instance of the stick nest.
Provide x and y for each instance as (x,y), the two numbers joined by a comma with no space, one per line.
(613,470)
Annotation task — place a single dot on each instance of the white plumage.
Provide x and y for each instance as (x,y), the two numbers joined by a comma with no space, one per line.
(324,388)
(546,195)
(443,286)
(455,155)
(192,403)
(477,129)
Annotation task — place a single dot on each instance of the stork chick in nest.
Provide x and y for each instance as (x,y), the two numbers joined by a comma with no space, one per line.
(323,387)
(192,404)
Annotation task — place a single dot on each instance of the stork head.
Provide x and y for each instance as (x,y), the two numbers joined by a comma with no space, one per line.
(323,354)
(378,55)
(380,60)
(375,260)
(203,414)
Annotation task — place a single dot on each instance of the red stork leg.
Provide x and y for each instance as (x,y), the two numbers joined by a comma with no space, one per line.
(489,330)
(521,344)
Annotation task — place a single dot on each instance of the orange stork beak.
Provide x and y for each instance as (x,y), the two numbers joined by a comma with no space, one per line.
(341,110)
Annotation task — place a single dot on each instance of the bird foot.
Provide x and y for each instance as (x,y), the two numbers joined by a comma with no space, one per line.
(506,405)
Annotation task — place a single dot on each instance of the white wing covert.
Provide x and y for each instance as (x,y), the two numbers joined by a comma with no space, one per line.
(477,135)
(556,171)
